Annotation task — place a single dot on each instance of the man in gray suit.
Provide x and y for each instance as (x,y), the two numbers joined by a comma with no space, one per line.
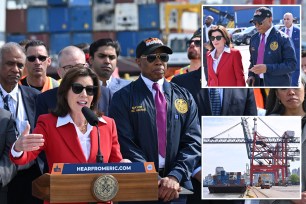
(7,138)
(103,56)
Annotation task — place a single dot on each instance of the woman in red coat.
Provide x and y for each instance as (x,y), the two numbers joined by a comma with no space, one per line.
(64,134)
(224,63)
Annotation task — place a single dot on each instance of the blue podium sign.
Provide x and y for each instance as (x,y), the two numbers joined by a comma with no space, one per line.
(95,168)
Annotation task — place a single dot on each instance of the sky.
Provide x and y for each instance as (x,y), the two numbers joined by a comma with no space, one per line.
(233,157)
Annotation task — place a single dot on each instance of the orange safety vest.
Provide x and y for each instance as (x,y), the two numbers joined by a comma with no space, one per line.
(178,72)
(49,84)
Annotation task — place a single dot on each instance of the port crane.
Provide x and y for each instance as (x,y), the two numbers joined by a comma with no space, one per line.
(267,154)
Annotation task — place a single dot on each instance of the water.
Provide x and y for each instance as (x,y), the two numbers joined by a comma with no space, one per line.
(208,195)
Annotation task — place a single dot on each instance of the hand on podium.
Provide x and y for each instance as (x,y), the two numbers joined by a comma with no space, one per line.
(168,188)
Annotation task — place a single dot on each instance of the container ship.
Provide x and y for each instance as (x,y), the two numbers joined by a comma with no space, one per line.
(227,182)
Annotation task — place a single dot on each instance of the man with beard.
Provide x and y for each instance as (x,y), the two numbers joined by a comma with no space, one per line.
(103,56)
(194,55)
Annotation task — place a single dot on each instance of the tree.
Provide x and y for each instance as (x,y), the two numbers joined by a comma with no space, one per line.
(295,179)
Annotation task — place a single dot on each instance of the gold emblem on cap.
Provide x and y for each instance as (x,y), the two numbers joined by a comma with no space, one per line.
(181,105)
(105,188)
(273,45)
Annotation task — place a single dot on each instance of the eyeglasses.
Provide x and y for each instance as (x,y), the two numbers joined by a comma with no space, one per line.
(40,57)
(197,43)
(67,67)
(212,38)
(78,88)
(152,57)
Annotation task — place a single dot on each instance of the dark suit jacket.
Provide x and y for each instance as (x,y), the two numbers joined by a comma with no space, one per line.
(7,138)
(47,100)
(229,70)
(236,101)
(279,57)
(295,37)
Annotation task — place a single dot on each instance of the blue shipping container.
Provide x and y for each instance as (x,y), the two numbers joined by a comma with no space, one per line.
(81,38)
(79,2)
(130,39)
(58,19)
(58,2)
(148,16)
(80,18)
(15,38)
(58,41)
(37,20)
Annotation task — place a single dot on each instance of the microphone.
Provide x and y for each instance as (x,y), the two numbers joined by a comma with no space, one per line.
(93,120)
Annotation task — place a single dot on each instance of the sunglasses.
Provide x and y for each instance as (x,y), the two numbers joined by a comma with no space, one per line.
(40,57)
(78,88)
(152,57)
(212,38)
(197,43)
(257,23)
(67,67)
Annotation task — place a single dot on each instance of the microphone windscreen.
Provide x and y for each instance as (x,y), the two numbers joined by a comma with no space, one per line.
(91,118)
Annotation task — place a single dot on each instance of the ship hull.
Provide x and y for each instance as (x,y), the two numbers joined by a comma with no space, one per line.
(226,188)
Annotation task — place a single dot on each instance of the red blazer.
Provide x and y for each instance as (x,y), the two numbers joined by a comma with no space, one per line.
(62,144)
(229,70)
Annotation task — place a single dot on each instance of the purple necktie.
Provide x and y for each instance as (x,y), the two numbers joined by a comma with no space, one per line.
(287,32)
(161,119)
(261,50)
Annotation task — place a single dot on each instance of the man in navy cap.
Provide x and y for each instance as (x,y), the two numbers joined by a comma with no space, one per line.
(158,121)
(272,60)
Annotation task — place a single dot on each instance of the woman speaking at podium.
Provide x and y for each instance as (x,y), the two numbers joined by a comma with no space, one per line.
(65,135)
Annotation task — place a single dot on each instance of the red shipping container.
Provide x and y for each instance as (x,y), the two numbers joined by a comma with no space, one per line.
(16,21)
(42,37)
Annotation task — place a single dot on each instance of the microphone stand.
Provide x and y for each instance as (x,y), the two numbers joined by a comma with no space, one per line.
(99,157)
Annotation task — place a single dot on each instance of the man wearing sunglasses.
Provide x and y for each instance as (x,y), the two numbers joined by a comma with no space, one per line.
(37,62)
(103,56)
(69,58)
(157,121)
(272,54)
(20,101)
(193,53)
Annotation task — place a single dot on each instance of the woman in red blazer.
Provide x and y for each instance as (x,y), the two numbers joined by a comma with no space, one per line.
(224,63)
(64,134)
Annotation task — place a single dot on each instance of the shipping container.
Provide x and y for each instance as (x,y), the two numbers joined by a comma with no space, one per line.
(173,18)
(78,38)
(37,3)
(148,17)
(58,2)
(40,36)
(15,38)
(130,39)
(104,2)
(37,19)
(58,19)
(58,41)
(80,18)
(126,17)
(103,17)
(104,34)
(16,21)
(79,2)
(145,2)
(123,1)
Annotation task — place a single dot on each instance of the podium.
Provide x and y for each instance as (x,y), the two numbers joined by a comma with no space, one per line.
(69,183)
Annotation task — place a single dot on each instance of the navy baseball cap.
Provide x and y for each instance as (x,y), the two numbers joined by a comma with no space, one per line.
(149,45)
(260,14)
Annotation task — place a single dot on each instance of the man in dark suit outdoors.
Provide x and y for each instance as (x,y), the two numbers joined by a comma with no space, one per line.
(157,121)
(272,55)
(294,33)
(20,101)
(68,58)
(235,102)
(7,138)
(103,56)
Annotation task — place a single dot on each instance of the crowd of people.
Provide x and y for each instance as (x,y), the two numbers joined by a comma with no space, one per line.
(146,120)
